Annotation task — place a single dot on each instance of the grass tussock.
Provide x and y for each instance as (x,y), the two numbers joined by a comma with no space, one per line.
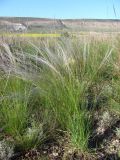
(54,85)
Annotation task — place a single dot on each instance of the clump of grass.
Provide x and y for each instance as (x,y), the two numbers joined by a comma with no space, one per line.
(69,77)
(64,72)
(13,110)
(16,119)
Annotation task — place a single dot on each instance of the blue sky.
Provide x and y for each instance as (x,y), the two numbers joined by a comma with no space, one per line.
(101,9)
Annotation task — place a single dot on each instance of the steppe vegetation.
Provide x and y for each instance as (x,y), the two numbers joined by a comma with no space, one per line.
(59,98)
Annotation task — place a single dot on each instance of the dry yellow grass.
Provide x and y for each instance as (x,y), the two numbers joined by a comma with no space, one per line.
(34,35)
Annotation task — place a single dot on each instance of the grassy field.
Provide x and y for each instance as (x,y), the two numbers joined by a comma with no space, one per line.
(59,97)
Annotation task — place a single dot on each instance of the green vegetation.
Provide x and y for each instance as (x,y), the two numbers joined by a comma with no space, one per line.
(56,85)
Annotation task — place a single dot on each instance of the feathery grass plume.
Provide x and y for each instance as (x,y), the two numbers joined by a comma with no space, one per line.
(63,72)
(15,106)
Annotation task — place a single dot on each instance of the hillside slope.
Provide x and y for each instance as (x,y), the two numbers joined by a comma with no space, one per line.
(46,24)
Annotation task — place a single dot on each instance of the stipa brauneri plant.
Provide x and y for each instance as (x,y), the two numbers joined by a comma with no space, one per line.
(65,73)
(13,103)
(14,112)
(16,119)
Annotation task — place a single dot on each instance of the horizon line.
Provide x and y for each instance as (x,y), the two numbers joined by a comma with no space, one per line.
(117,19)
